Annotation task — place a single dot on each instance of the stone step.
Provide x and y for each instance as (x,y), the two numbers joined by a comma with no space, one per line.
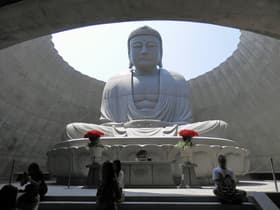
(138,198)
(91,205)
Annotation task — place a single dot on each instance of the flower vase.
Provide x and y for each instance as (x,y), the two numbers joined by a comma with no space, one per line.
(96,154)
(186,154)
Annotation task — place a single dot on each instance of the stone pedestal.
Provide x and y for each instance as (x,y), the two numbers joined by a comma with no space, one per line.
(96,154)
(165,167)
(188,175)
(94,168)
(93,177)
(147,173)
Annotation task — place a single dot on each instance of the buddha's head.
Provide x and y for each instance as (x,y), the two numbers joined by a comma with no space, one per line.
(145,48)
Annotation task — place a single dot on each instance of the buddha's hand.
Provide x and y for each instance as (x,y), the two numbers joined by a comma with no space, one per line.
(148,123)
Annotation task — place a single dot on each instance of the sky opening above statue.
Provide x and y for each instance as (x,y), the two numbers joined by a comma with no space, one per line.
(189,48)
(147,100)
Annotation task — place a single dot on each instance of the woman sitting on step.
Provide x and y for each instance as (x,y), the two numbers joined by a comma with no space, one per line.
(108,192)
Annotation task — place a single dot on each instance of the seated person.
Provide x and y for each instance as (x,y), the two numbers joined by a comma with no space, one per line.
(30,199)
(35,177)
(8,197)
(108,192)
(225,187)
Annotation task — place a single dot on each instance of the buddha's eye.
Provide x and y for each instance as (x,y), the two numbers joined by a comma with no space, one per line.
(151,45)
(137,45)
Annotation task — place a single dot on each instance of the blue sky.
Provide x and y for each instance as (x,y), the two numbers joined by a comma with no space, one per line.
(188,48)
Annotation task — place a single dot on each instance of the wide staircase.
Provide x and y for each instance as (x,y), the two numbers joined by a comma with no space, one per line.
(146,203)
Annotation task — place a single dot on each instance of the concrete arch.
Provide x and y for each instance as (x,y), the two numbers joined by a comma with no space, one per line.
(29,19)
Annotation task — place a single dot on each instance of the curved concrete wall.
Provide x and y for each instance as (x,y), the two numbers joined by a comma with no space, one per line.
(244,91)
(40,94)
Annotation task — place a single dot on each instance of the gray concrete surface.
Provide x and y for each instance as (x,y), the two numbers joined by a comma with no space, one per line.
(39,95)
(244,91)
(34,18)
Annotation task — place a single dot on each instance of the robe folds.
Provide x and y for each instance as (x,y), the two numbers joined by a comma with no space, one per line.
(173,104)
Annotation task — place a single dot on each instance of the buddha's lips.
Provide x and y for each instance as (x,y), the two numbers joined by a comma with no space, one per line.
(145,58)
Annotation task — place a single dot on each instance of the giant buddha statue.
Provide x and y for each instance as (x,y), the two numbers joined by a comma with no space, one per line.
(147,100)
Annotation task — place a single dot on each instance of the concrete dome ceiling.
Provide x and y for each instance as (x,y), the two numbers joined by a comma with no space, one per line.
(40,93)
(29,19)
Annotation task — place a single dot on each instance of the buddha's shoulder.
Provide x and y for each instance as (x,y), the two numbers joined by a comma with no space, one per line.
(172,74)
(120,78)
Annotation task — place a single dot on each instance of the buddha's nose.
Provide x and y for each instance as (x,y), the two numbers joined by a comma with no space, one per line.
(144,50)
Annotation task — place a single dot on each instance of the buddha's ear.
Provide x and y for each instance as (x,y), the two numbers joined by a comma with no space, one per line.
(160,58)
(130,59)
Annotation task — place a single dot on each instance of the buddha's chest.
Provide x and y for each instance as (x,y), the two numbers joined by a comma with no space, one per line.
(145,91)
(145,85)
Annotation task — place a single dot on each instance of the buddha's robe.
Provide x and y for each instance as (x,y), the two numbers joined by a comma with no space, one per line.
(171,112)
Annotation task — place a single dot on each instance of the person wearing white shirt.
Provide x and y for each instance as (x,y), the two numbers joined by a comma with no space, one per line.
(225,187)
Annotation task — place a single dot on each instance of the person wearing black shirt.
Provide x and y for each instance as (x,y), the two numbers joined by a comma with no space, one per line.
(108,192)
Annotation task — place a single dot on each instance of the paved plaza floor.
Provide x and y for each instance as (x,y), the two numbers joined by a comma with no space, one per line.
(248,185)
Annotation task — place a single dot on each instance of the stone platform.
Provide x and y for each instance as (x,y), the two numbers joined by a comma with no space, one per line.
(78,197)
(164,165)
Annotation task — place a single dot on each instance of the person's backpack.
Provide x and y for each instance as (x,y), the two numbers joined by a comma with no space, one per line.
(228,185)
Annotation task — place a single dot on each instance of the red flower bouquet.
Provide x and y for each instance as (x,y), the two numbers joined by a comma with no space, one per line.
(94,136)
(93,133)
(186,132)
(186,141)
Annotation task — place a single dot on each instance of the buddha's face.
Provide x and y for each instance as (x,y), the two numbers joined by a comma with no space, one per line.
(145,52)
